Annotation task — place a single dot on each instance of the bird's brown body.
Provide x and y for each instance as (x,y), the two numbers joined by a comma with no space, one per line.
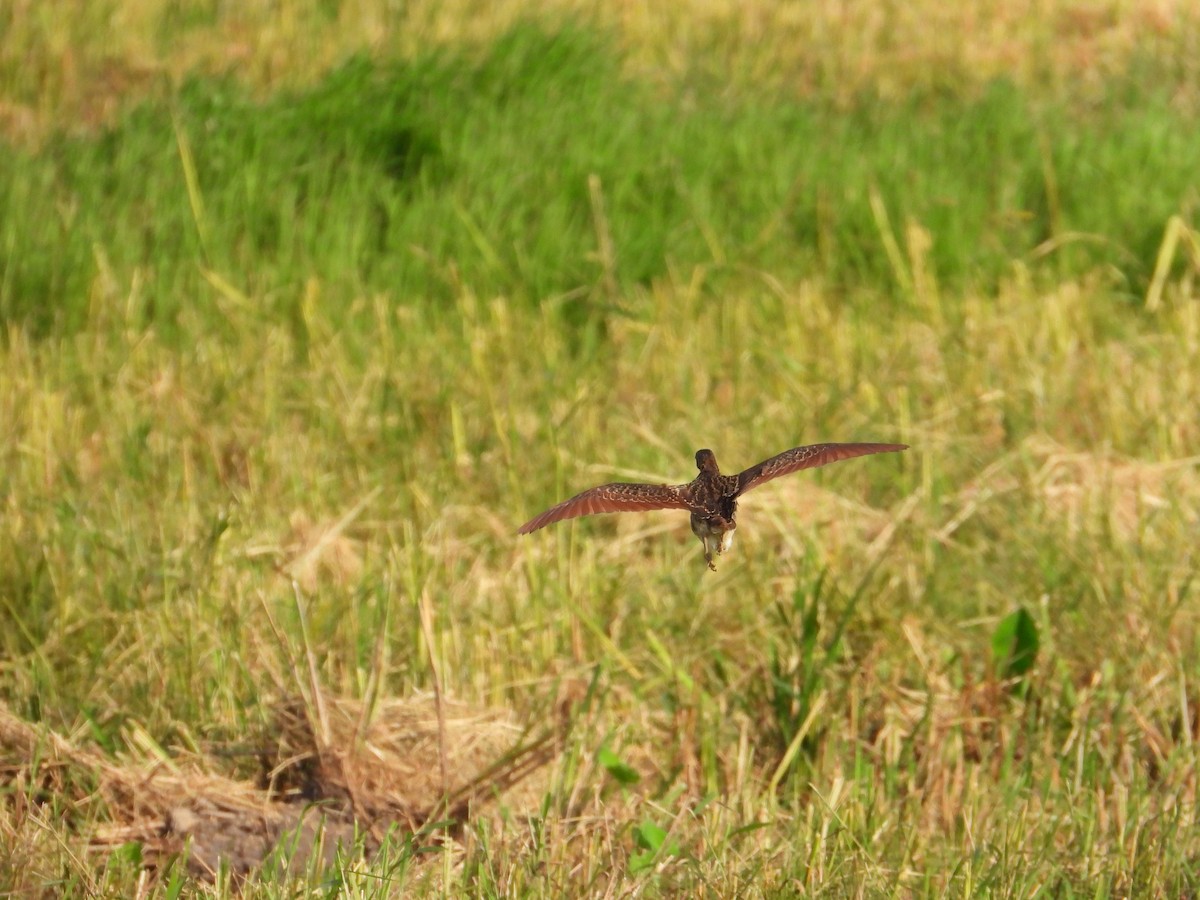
(711,498)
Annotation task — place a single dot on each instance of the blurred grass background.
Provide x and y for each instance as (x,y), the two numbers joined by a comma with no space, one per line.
(342,293)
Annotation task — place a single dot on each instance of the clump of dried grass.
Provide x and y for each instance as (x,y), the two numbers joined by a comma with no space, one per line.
(344,775)
(396,763)
(1080,487)
(317,550)
(1083,488)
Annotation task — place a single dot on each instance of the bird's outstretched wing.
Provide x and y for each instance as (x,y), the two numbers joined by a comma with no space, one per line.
(807,458)
(608,498)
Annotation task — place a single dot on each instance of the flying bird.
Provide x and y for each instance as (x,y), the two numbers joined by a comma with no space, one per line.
(711,498)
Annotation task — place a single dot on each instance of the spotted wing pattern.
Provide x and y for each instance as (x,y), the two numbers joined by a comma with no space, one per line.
(609,498)
(809,457)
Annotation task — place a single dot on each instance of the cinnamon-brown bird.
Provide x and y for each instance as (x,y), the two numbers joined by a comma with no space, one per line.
(711,497)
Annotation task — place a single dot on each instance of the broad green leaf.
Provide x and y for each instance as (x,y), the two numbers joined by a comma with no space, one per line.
(617,768)
(650,836)
(652,840)
(1015,644)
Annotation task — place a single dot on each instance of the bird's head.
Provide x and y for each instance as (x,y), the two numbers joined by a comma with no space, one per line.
(707,462)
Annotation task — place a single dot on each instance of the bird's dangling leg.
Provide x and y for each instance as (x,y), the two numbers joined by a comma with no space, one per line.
(722,537)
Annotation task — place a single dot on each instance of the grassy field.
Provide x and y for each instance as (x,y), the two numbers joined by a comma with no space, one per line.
(308,306)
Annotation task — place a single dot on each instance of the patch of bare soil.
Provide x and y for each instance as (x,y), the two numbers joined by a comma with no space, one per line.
(335,773)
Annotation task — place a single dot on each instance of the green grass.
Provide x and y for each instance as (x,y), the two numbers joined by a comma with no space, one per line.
(415,178)
(394,287)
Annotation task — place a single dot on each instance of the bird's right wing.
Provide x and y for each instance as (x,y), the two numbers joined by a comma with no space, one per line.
(607,498)
(807,458)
